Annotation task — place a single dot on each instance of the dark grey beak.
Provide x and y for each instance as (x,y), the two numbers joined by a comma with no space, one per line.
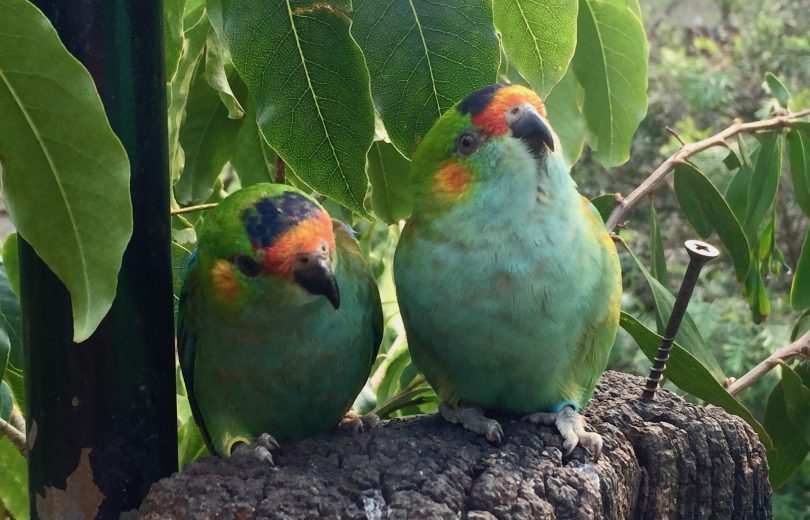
(316,276)
(533,131)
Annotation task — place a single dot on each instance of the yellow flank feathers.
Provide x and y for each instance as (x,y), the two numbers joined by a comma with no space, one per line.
(225,283)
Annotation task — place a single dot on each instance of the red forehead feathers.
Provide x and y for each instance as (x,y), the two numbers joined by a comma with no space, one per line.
(492,119)
(305,237)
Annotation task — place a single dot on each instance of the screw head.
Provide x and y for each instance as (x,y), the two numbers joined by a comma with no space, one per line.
(701,251)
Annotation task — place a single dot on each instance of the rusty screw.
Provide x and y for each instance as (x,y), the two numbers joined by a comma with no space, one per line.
(700,253)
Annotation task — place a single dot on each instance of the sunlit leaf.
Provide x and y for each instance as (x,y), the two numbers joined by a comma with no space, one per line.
(778,89)
(538,37)
(388,173)
(172,34)
(764,183)
(314,103)
(54,137)
(690,375)
(800,288)
(799,155)
(610,63)
(564,109)
(217,65)
(423,56)
(13,479)
(707,211)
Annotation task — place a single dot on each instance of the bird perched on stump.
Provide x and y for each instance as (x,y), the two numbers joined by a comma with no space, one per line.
(279,321)
(507,279)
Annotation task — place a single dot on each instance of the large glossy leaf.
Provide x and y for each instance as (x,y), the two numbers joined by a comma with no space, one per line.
(688,374)
(311,87)
(564,109)
(789,447)
(13,479)
(688,334)
(799,155)
(173,34)
(59,153)
(391,197)
(707,210)
(217,66)
(539,37)
(764,182)
(207,137)
(424,56)
(604,204)
(195,35)
(610,63)
(778,89)
(800,287)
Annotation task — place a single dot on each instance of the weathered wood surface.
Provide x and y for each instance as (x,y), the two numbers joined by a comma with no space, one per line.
(662,459)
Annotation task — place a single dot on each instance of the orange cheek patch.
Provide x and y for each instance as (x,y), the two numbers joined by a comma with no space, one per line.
(306,237)
(492,119)
(453,179)
(224,279)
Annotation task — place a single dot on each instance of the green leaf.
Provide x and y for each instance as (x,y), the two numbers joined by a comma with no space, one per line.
(799,155)
(252,158)
(764,182)
(610,63)
(11,263)
(789,448)
(800,287)
(707,210)
(757,294)
(14,378)
(173,39)
(737,191)
(423,56)
(388,172)
(10,321)
(13,479)
(564,109)
(732,162)
(797,401)
(190,444)
(5,350)
(53,135)
(6,401)
(207,137)
(314,103)
(604,204)
(217,65)
(688,334)
(178,89)
(538,37)
(778,89)
(801,326)
(690,375)
(659,262)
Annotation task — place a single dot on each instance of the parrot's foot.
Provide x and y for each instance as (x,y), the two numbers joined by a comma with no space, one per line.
(473,419)
(356,423)
(572,428)
(259,449)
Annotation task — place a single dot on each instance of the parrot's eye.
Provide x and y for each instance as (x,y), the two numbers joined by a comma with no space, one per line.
(466,144)
(247,265)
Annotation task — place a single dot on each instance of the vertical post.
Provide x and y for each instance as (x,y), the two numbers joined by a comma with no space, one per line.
(101,417)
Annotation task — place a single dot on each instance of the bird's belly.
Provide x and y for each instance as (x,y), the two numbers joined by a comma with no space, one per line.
(493,324)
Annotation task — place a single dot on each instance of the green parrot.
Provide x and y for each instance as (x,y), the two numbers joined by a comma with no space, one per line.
(279,321)
(508,282)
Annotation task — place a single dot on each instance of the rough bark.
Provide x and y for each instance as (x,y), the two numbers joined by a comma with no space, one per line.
(662,459)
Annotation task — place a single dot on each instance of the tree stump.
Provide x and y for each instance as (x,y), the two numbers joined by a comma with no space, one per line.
(662,459)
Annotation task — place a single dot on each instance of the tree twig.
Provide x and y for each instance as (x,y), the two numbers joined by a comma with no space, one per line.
(688,150)
(800,347)
(15,436)
(190,209)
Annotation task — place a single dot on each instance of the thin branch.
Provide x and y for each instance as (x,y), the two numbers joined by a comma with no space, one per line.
(800,347)
(675,135)
(191,209)
(688,150)
(15,436)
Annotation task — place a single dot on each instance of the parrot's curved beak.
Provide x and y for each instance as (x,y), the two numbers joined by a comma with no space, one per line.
(530,127)
(316,277)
